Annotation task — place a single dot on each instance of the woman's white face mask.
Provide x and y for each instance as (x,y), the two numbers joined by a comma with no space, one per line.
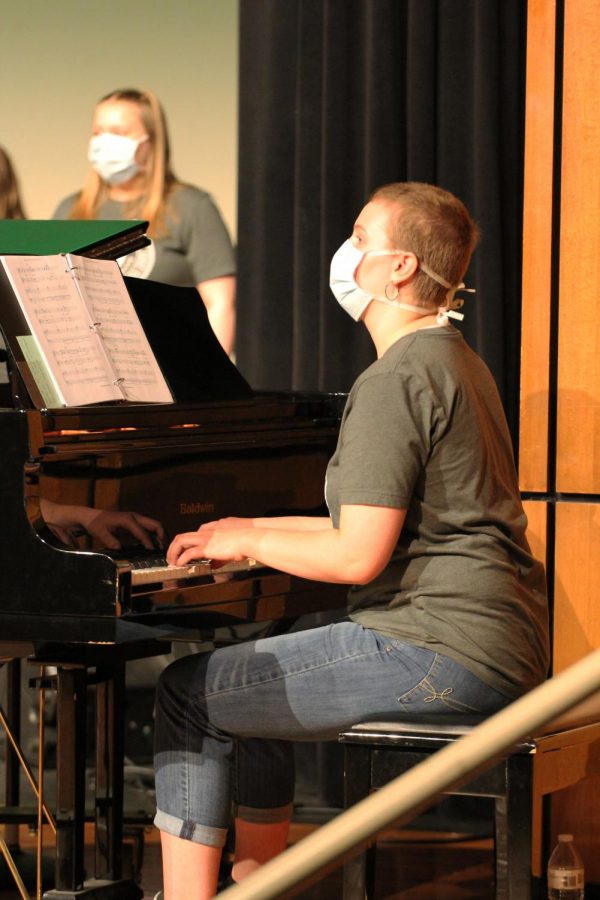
(346,291)
(113,156)
(354,300)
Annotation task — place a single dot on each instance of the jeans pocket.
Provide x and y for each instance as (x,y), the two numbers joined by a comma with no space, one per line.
(449,687)
(424,699)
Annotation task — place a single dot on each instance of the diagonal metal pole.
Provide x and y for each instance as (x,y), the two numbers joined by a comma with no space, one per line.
(13,869)
(415,790)
(4,723)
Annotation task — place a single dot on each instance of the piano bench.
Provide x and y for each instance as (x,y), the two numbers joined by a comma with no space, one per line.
(377,752)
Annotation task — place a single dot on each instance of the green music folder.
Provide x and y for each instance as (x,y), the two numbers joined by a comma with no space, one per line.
(98,239)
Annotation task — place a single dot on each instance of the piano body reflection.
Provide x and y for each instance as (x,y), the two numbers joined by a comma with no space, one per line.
(219,450)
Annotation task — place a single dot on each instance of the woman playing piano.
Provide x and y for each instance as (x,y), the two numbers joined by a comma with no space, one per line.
(131,178)
(447,611)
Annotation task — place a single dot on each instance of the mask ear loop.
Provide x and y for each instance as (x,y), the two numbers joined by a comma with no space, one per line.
(449,311)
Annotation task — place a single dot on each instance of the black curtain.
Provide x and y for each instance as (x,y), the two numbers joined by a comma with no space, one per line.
(336,98)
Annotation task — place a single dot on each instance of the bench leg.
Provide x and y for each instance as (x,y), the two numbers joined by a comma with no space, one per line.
(513,823)
(358,873)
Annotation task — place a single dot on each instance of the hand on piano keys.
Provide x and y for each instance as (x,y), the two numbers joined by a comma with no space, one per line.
(217,541)
(156,569)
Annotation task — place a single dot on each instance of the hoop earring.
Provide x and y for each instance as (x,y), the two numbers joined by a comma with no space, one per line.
(385,291)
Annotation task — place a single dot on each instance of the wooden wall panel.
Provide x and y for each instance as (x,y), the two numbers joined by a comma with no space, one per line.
(578,434)
(576,633)
(560,362)
(576,582)
(537,235)
(537,518)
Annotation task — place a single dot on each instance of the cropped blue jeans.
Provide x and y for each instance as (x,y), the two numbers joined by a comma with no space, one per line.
(225,720)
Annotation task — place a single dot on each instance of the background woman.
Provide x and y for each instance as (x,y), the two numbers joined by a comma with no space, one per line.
(447,613)
(131,178)
(10,201)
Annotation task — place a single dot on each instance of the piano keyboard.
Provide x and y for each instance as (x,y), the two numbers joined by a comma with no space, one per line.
(154,569)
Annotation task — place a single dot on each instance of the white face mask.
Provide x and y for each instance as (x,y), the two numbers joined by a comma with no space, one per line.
(354,300)
(346,291)
(113,156)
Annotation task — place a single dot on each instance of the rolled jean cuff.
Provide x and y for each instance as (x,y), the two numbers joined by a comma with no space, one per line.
(190,831)
(264,816)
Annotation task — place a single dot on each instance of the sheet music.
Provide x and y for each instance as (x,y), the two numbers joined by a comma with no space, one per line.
(113,315)
(86,330)
(60,323)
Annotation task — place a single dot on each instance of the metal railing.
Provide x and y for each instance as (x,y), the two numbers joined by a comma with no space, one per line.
(410,793)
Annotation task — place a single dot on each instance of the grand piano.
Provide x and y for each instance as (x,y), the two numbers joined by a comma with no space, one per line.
(82,611)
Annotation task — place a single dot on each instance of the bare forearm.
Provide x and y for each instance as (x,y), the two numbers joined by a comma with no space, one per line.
(317,554)
(294,523)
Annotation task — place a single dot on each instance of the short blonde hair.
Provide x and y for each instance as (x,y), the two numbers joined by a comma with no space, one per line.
(159,180)
(434,225)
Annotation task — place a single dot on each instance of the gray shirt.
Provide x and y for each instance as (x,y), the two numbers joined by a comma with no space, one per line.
(195,248)
(424,430)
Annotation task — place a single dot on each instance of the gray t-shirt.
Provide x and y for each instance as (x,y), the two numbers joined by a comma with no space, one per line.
(424,430)
(195,248)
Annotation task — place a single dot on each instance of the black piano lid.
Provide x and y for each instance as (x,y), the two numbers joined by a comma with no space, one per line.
(188,352)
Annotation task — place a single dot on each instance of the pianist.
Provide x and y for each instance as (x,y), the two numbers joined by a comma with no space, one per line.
(447,612)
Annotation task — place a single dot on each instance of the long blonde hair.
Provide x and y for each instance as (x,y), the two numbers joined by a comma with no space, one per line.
(159,178)
(10,201)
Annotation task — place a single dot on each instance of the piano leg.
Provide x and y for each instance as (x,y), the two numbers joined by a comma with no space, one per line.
(110,760)
(71,884)
(70,777)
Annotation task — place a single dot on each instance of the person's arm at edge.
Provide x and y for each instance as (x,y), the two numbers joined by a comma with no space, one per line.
(218,295)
